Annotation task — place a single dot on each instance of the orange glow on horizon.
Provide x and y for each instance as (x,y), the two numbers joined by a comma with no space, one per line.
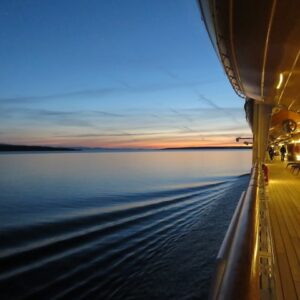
(142,144)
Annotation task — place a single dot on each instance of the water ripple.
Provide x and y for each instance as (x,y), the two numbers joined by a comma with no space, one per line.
(95,253)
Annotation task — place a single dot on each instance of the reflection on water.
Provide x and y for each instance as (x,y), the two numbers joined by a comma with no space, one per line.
(52,175)
(138,225)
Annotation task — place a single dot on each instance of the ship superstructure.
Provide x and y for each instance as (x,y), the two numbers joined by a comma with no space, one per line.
(258,44)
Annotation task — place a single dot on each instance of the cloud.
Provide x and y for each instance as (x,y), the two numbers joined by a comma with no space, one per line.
(179,78)
(183,139)
(211,103)
(121,134)
(182,115)
(101,93)
(55,113)
(187,129)
(106,114)
(67,95)
(183,134)
(54,117)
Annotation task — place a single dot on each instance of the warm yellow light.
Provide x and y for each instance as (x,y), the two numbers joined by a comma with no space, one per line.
(297,157)
(280,81)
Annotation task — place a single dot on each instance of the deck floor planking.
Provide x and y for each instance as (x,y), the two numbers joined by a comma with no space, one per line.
(284,210)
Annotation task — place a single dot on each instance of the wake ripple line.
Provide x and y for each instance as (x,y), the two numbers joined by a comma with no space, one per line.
(60,244)
(155,209)
(126,258)
(72,225)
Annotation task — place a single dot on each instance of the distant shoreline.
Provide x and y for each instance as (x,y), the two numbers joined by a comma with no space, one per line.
(16,148)
(210,148)
(27,148)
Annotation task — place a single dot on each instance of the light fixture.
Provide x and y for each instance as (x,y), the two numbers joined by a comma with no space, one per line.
(280,81)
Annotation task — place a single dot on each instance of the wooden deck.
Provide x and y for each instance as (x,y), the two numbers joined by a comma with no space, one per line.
(284,210)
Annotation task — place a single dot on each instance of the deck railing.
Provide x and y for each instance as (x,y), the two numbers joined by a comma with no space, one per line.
(237,274)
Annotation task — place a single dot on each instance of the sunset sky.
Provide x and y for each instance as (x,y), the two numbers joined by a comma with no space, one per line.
(112,74)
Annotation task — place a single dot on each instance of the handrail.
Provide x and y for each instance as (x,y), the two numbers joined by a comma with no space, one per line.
(236,275)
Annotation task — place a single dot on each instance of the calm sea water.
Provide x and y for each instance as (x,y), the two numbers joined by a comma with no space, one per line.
(115,225)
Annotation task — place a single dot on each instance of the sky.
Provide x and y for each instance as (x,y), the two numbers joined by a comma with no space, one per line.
(113,73)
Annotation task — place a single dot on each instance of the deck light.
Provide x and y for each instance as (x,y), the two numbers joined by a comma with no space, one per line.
(280,81)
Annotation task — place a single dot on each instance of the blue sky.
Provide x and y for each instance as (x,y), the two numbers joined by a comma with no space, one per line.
(112,73)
